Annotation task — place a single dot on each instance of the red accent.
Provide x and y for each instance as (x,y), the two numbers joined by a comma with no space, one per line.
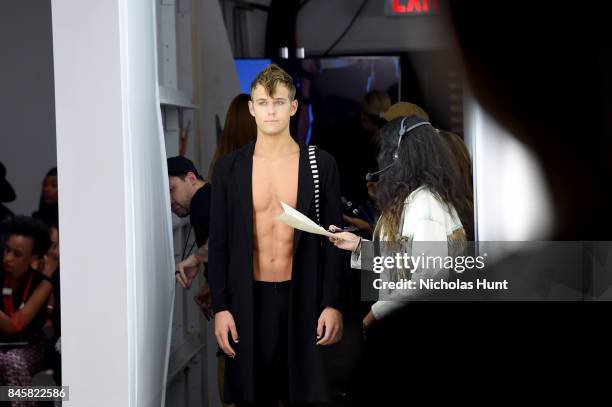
(17,322)
(414,6)
(398,8)
(8,305)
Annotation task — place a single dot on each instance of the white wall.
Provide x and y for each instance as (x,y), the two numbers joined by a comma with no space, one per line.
(27,137)
(117,260)
(512,198)
(218,78)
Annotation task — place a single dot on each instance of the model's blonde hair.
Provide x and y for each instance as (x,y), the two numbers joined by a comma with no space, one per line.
(272,76)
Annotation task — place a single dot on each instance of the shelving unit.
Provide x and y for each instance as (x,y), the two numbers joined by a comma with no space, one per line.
(175,44)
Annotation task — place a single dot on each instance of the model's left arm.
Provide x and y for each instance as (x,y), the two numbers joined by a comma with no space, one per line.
(331,214)
(330,326)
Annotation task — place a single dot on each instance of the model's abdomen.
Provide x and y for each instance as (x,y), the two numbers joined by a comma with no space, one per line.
(274,180)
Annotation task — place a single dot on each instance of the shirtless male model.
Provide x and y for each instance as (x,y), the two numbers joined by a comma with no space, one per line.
(275,290)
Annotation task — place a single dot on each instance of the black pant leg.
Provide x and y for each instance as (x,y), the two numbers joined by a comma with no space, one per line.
(271,343)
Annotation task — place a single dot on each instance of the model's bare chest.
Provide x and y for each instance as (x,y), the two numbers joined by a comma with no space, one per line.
(275,180)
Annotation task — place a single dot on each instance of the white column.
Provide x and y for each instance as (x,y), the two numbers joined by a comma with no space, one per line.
(117,265)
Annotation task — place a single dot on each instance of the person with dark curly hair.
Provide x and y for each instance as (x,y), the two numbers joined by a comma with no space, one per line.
(27,281)
(422,200)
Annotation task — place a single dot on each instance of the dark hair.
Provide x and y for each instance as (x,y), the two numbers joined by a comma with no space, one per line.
(239,129)
(424,160)
(182,176)
(33,228)
(464,163)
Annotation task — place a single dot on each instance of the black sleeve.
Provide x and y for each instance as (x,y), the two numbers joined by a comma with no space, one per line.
(333,268)
(218,245)
(200,215)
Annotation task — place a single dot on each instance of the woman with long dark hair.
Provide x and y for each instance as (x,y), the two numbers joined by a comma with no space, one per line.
(422,199)
(239,129)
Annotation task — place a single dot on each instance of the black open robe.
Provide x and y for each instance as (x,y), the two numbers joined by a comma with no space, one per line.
(317,275)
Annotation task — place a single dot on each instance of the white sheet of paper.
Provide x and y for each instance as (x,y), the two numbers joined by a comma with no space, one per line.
(302,222)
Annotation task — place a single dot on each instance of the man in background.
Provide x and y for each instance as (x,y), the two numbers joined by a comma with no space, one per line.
(190,196)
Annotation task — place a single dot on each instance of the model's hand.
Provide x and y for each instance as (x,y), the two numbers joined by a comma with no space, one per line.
(368,321)
(350,242)
(224,325)
(203,299)
(186,271)
(329,329)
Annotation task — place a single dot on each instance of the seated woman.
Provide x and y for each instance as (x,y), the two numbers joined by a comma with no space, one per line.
(26,276)
(422,199)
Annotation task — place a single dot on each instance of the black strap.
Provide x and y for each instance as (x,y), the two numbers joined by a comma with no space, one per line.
(312,157)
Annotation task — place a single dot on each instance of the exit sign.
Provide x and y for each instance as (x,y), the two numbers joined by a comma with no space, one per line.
(410,7)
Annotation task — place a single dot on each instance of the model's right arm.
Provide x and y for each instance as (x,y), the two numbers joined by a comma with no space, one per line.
(218,244)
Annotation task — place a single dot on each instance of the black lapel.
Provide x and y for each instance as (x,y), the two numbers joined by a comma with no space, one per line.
(305,190)
(244,181)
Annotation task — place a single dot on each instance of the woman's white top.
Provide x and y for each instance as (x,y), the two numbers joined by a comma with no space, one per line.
(425,219)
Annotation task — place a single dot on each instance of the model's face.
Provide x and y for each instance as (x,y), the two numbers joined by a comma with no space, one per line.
(49,190)
(272,113)
(181,193)
(18,255)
